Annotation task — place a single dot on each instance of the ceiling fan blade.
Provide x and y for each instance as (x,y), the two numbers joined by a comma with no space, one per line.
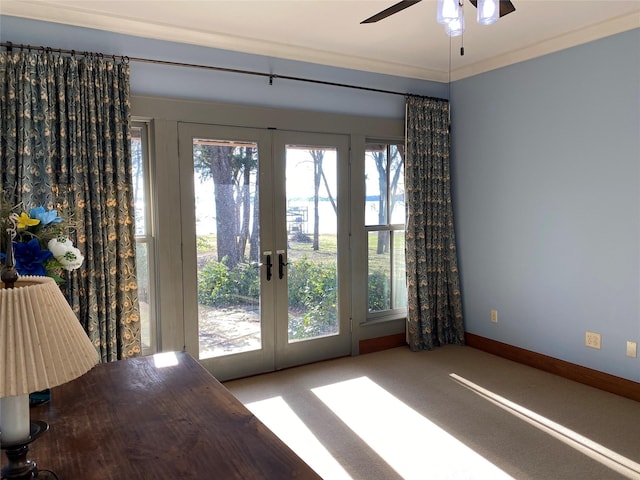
(506,6)
(390,11)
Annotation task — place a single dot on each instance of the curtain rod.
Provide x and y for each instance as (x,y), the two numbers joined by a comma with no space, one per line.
(271,76)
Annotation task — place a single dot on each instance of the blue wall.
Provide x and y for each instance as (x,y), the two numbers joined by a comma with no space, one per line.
(198,84)
(546,169)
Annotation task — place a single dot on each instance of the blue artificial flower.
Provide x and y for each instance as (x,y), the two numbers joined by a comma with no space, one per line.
(30,258)
(45,216)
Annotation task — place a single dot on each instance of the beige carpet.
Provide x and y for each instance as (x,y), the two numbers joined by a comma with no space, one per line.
(452,413)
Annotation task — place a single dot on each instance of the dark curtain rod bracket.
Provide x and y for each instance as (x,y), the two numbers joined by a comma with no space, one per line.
(9,46)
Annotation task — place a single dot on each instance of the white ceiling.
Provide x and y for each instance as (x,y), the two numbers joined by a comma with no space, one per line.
(409,43)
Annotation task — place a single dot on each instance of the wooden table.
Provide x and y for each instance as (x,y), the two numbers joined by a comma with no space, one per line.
(131,420)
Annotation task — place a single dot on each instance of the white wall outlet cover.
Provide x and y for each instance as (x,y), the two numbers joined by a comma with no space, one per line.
(632,349)
(592,340)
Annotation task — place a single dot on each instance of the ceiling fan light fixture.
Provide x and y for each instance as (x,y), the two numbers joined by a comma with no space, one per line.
(488,11)
(448,11)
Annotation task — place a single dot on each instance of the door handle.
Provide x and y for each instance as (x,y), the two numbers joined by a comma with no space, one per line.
(281,265)
(269,265)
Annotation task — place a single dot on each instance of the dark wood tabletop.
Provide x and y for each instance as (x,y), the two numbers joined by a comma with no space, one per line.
(131,420)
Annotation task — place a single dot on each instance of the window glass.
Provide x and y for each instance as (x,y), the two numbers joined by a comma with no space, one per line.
(384,222)
(376,184)
(379,271)
(144,238)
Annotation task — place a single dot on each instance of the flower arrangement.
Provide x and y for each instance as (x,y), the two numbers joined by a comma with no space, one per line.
(40,243)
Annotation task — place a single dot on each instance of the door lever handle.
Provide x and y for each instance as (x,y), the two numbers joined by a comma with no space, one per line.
(281,265)
(269,265)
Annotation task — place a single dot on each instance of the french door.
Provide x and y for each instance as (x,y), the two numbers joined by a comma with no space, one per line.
(265,247)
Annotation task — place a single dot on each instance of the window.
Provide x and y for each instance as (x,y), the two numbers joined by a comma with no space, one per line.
(145,256)
(385,223)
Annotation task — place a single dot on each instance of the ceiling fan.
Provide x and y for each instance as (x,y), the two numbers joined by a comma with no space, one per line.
(506,7)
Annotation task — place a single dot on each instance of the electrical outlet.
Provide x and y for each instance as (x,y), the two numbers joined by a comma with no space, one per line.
(632,349)
(494,316)
(592,340)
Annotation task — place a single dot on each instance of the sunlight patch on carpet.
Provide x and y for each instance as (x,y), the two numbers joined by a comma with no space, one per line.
(600,453)
(278,416)
(412,445)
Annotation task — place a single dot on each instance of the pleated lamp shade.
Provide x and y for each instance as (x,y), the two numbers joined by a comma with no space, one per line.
(42,344)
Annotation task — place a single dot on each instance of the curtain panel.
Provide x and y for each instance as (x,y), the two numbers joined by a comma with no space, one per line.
(65,144)
(434,309)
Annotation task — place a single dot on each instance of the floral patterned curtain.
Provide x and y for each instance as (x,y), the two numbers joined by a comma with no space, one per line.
(434,315)
(65,144)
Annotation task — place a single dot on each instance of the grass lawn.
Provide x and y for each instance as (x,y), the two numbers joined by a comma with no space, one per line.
(325,254)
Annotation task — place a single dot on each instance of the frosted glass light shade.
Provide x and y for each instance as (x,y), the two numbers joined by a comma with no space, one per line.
(42,344)
(455,28)
(488,11)
(448,11)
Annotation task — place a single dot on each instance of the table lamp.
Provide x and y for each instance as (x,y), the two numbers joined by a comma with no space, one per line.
(42,345)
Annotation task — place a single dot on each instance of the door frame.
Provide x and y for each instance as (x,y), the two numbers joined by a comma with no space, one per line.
(276,353)
(290,354)
(245,363)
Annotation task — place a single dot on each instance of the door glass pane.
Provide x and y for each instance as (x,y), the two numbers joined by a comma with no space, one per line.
(311,199)
(227,243)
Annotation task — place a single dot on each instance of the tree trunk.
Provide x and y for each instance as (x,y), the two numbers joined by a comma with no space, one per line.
(254,244)
(226,220)
(317,155)
(245,197)
(331,199)
(381,165)
(394,180)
